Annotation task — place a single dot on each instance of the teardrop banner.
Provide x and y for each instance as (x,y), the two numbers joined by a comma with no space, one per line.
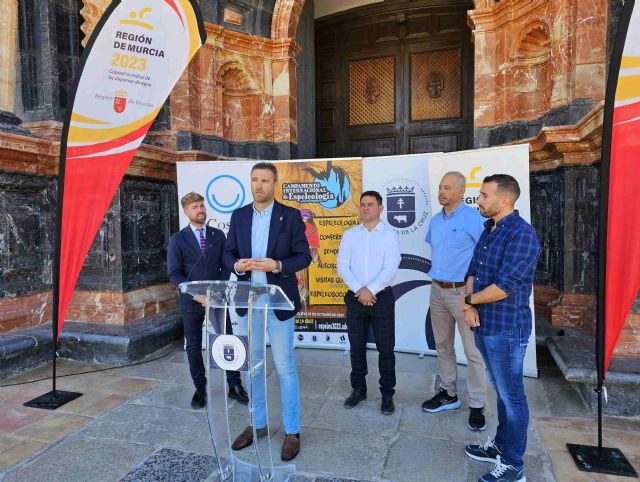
(135,56)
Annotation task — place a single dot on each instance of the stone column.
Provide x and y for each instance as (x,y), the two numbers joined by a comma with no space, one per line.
(8,38)
(285,120)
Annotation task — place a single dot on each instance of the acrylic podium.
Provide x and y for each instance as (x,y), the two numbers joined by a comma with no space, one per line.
(232,352)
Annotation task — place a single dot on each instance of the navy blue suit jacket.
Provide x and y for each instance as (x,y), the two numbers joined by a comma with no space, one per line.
(287,243)
(185,262)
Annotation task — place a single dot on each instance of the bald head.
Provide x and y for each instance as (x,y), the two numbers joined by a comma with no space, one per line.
(451,190)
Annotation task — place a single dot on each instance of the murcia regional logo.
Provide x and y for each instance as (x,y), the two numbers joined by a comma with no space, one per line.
(407,205)
(227,352)
(120,101)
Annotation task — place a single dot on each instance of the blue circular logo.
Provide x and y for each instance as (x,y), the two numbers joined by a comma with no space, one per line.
(225,193)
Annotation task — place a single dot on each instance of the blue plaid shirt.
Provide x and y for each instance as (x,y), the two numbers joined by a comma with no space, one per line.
(506,256)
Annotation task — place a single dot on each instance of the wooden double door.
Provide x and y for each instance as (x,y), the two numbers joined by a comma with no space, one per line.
(394,78)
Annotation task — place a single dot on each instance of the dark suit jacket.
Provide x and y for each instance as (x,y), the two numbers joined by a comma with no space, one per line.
(185,262)
(287,243)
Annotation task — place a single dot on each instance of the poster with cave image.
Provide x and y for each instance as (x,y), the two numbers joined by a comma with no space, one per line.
(327,193)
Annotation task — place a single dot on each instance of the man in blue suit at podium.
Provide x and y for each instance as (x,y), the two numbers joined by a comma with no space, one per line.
(267,244)
(195,254)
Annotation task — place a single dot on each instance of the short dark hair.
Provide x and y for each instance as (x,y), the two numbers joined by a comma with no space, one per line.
(267,166)
(506,184)
(374,194)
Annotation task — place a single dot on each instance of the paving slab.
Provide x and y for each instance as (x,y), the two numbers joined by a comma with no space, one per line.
(51,427)
(364,418)
(413,458)
(157,426)
(83,459)
(350,455)
(446,425)
(18,451)
(137,419)
(15,416)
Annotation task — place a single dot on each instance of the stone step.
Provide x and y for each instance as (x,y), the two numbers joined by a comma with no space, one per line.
(23,350)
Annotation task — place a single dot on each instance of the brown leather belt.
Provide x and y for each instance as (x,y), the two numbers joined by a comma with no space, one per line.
(446,285)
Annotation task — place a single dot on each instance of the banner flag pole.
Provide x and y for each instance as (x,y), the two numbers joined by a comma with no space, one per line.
(136,54)
(617,282)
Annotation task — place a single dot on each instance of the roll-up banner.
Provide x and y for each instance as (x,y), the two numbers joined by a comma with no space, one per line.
(136,54)
(327,192)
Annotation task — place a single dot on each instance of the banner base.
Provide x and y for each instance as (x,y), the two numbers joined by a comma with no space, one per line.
(612,462)
(52,400)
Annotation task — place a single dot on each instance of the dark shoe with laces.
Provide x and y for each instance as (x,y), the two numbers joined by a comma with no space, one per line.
(476,419)
(355,398)
(441,401)
(387,407)
(502,472)
(487,452)
(238,393)
(290,447)
(199,399)
(246,437)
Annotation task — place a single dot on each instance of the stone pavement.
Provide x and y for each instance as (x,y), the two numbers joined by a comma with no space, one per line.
(135,424)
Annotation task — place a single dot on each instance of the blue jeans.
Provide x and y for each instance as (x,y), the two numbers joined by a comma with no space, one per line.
(281,339)
(504,356)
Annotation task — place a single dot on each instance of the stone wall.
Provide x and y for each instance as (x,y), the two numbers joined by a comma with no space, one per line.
(236,99)
(540,75)
(537,64)
(124,276)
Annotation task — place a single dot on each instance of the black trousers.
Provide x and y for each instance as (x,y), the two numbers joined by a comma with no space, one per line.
(192,322)
(381,317)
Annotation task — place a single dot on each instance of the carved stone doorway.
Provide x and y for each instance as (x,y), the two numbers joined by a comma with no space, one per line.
(394,78)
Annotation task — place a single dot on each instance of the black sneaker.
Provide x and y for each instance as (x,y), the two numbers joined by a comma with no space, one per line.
(476,419)
(441,401)
(503,473)
(487,452)
(355,398)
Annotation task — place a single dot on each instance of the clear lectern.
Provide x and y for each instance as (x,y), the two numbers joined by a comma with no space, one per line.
(233,352)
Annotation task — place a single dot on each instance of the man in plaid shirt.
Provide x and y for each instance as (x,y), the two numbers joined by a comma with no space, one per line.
(496,307)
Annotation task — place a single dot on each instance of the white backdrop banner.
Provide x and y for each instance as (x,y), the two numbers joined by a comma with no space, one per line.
(408,185)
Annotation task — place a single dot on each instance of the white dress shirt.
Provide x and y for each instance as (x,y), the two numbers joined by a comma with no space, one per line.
(369,259)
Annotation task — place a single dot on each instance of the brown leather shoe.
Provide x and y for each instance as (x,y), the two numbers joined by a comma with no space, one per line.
(290,446)
(246,437)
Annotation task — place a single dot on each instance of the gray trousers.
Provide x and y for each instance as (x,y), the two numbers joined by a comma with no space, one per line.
(445,315)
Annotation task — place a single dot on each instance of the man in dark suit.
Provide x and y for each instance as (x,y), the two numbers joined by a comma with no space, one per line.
(267,244)
(195,254)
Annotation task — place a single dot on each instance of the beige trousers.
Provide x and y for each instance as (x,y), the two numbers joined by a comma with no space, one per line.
(445,315)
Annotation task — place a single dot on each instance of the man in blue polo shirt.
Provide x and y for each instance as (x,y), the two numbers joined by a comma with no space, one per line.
(496,306)
(453,234)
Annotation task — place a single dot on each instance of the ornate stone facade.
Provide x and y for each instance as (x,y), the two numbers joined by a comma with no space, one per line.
(532,57)
(540,68)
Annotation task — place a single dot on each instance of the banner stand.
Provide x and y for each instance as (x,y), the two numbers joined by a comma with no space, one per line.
(133,59)
(588,458)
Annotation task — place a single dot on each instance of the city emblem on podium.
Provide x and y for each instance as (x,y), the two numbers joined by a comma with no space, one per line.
(229,353)
(401,206)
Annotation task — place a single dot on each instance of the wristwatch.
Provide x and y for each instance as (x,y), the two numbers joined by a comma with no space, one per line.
(279,268)
(467,300)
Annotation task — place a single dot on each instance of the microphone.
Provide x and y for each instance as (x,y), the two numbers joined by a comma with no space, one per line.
(201,257)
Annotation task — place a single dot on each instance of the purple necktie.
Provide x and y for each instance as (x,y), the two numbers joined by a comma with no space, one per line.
(202,245)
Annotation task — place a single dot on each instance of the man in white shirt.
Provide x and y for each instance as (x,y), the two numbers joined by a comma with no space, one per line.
(368,260)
